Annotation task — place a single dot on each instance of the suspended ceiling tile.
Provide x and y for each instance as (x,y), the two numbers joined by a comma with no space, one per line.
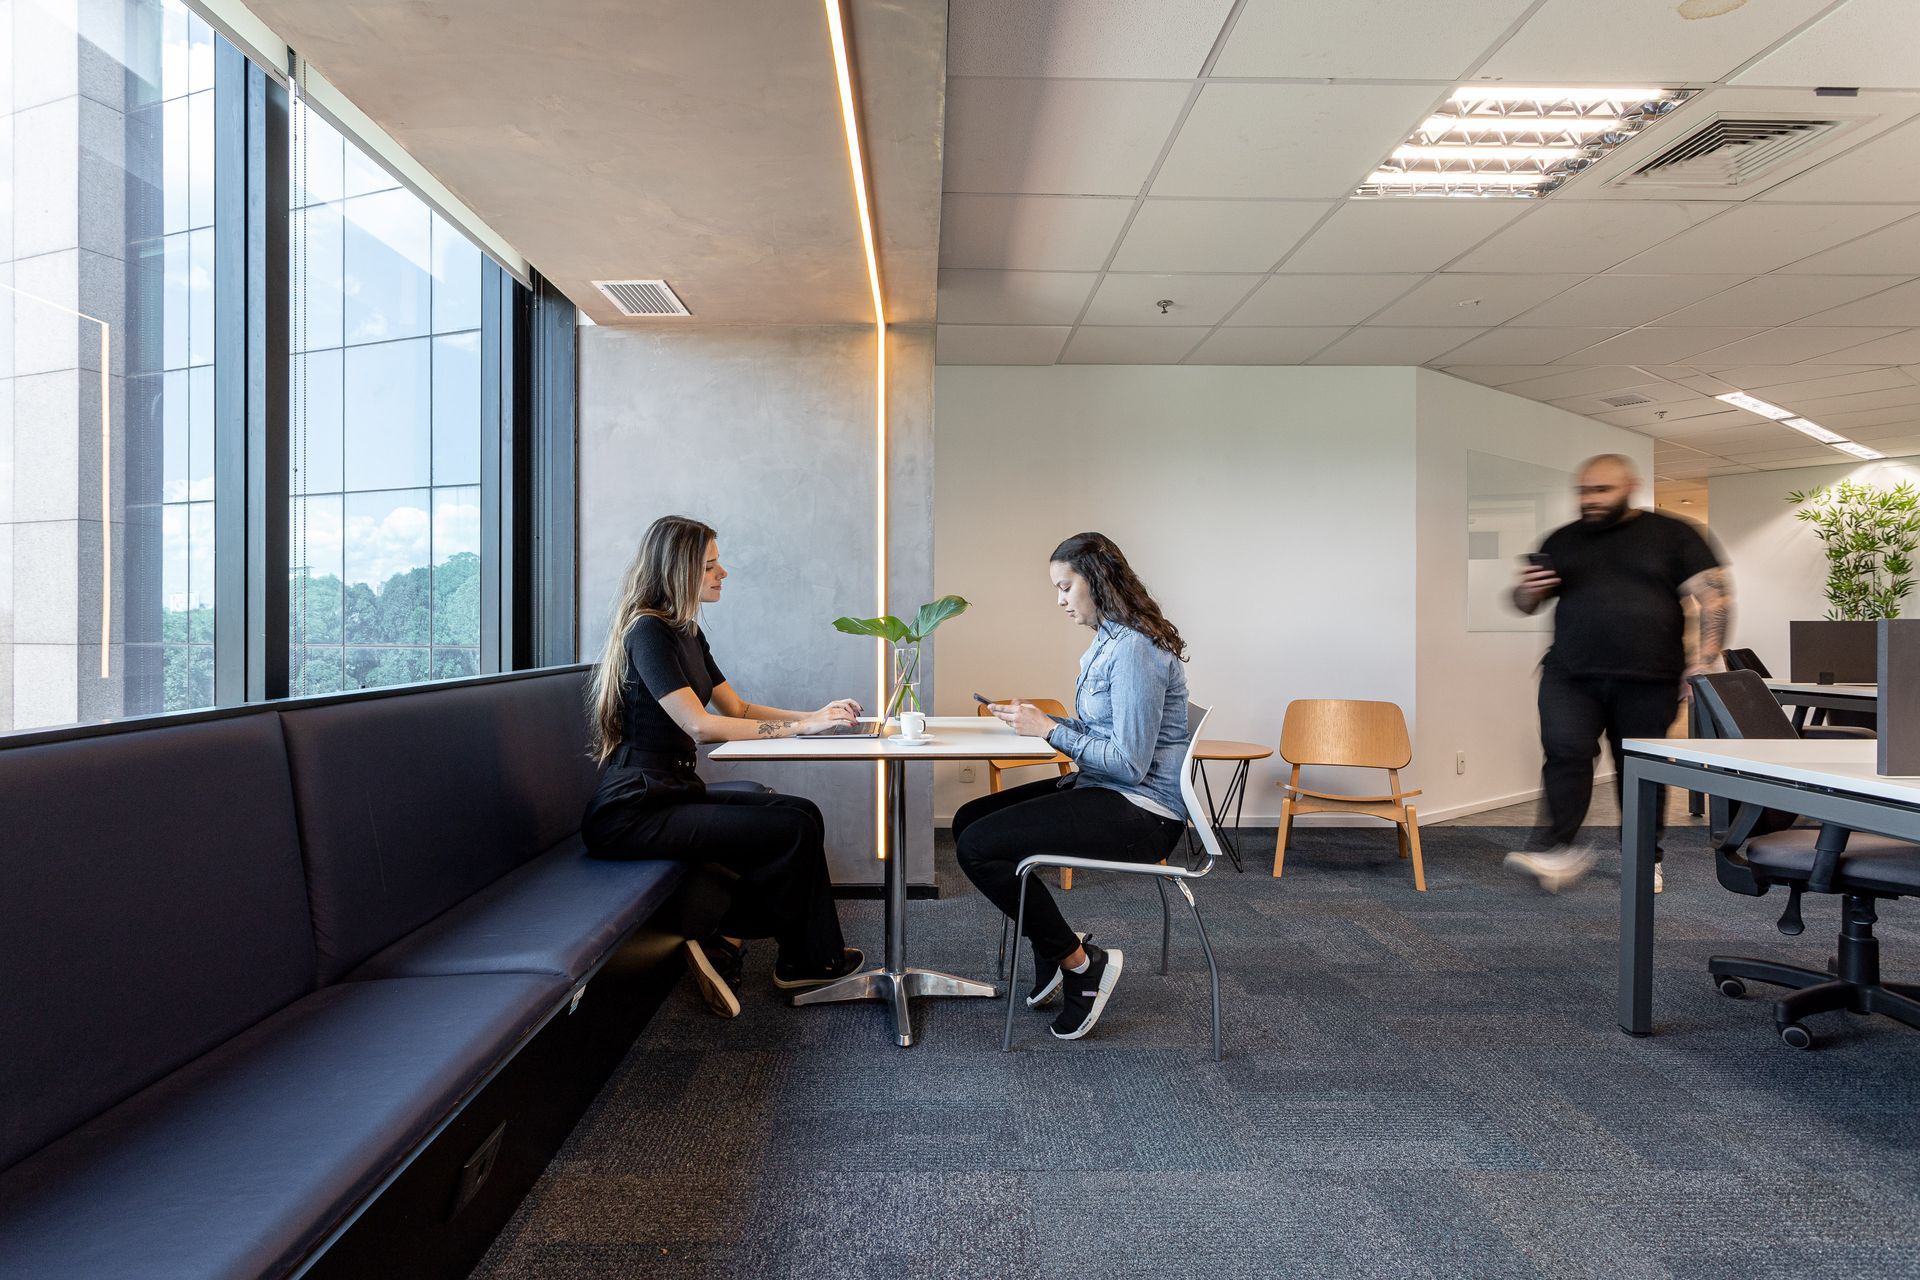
(1130,345)
(1864,42)
(1757,238)
(1118,39)
(1320,300)
(1790,455)
(1057,137)
(1132,300)
(1882,168)
(1773,300)
(1370,236)
(1660,420)
(999,343)
(1752,377)
(1896,348)
(1291,345)
(1816,406)
(1578,382)
(1588,236)
(1537,347)
(1494,375)
(1623,301)
(1215,235)
(1013,297)
(1650,345)
(1894,249)
(1899,305)
(1462,298)
(1392,346)
(1313,141)
(1030,233)
(1364,39)
(1640,42)
(1792,344)
(1867,419)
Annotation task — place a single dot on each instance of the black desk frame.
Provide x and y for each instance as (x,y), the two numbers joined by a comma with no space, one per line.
(1646,770)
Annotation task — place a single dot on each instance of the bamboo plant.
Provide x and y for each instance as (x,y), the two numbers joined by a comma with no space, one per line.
(1869,534)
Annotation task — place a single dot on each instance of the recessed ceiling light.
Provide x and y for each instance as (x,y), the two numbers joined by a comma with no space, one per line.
(1813,429)
(1857,450)
(1753,404)
(1501,142)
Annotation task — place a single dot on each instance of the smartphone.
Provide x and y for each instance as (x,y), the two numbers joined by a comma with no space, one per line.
(985,702)
(1540,560)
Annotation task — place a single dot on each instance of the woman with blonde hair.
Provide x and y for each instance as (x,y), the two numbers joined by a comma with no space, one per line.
(656,693)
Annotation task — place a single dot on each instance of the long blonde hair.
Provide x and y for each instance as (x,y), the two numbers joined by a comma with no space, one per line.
(662,582)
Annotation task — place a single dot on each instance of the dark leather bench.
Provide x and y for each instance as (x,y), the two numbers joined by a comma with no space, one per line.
(282,985)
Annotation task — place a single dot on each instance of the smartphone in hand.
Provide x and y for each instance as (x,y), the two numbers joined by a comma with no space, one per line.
(985,702)
(1540,560)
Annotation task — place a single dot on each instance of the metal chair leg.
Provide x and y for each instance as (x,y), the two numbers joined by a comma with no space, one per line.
(1000,956)
(1166,922)
(1213,972)
(1013,965)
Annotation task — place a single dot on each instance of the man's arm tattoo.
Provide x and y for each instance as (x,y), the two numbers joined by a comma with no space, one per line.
(1713,596)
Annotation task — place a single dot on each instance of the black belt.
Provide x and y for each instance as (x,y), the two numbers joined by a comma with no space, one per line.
(665,761)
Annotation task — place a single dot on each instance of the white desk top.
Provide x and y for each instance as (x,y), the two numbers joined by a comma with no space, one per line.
(952,738)
(1838,764)
(1865,692)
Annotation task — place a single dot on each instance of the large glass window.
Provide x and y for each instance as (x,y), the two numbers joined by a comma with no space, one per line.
(385,424)
(107,183)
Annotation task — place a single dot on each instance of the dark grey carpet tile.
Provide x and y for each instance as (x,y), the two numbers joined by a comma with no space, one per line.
(1422,1085)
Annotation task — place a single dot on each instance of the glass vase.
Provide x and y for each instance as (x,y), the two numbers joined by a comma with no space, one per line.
(906,680)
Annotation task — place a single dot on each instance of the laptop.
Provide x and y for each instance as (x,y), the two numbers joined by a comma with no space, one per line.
(864,727)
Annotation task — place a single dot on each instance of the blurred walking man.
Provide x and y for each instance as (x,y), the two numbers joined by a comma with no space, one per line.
(1619,663)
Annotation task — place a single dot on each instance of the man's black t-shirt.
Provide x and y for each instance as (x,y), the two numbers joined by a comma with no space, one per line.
(661,659)
(1619,598)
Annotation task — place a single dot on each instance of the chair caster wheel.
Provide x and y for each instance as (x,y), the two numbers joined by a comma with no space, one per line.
(1732,988)
(1797,1036)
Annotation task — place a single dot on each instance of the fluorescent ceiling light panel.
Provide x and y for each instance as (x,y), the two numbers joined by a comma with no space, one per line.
(1478,141)
(1858,450)
(1813,429)
(1753,404)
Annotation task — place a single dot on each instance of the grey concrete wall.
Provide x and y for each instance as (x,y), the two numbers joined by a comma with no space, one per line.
(767,434)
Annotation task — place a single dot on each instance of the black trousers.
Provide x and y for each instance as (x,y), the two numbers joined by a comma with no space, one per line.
(995,832)
(762,869)
(1575,711)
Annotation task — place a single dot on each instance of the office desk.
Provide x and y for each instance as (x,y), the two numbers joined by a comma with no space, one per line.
(1828,697)
(951,738)
(1826,779)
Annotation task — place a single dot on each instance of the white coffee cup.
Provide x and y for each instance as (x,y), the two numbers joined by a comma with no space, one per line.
(913,725)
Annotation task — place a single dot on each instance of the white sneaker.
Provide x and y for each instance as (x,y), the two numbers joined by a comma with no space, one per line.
(1659,880)
(1555,870)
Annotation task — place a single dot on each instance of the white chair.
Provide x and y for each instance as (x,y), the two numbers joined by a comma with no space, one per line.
(1162,873)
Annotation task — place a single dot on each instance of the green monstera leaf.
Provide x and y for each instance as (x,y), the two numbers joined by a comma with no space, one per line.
(934,613)
(888,628)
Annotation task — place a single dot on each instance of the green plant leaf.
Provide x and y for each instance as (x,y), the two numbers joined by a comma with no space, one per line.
(935,612)
(888,628)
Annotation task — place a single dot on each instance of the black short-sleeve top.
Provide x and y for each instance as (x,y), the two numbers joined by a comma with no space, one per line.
(660,659)
(1618,612)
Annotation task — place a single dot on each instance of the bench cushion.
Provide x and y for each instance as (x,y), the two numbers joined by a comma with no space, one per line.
(558,914)
(410,805)
(152,906)
(236,1165)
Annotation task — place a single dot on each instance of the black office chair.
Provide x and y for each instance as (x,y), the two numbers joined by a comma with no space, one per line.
(1762,848)
(1836,724)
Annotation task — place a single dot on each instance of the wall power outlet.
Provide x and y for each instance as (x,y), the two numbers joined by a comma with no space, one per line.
(1459,762)
(966,773)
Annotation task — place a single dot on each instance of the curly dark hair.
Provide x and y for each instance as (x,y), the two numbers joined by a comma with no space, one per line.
(1117,590)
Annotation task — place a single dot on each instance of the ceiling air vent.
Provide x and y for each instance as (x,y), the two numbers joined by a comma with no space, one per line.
(642,297)
(1728,153)
(1624,402)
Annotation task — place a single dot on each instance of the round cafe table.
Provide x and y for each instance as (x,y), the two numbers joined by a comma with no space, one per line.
(1242,754)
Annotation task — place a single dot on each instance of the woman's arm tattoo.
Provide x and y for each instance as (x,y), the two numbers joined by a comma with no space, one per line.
(774,728)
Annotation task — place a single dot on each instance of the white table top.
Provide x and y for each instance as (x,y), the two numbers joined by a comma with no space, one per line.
(1865,692)
(950,738)
(1838,764)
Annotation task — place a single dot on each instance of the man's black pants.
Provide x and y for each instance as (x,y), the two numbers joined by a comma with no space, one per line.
(1575,711)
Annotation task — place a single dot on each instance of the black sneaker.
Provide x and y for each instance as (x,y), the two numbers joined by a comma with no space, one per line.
(713,987)
(1084,995)
(1046,978)
(729,959)
(792,978)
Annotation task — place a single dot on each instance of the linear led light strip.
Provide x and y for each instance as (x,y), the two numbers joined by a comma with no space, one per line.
(857,167)
(1786,418)
(106,470)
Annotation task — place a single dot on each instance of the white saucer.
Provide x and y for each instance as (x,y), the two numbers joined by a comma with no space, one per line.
(897,740)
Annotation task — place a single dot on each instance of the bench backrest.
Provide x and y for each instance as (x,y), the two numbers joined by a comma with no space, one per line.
(152,906)
(408,805)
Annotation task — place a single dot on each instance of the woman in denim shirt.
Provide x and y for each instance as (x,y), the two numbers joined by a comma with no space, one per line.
(1128,735)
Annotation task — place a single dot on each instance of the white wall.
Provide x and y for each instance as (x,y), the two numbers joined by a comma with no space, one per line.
(1779,572)
(1279,516)
(1477,688)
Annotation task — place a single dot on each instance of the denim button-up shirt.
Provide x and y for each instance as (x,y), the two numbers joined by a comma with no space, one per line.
(1129,729)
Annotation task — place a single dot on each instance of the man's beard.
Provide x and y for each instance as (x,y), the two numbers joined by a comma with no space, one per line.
(1601,519)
